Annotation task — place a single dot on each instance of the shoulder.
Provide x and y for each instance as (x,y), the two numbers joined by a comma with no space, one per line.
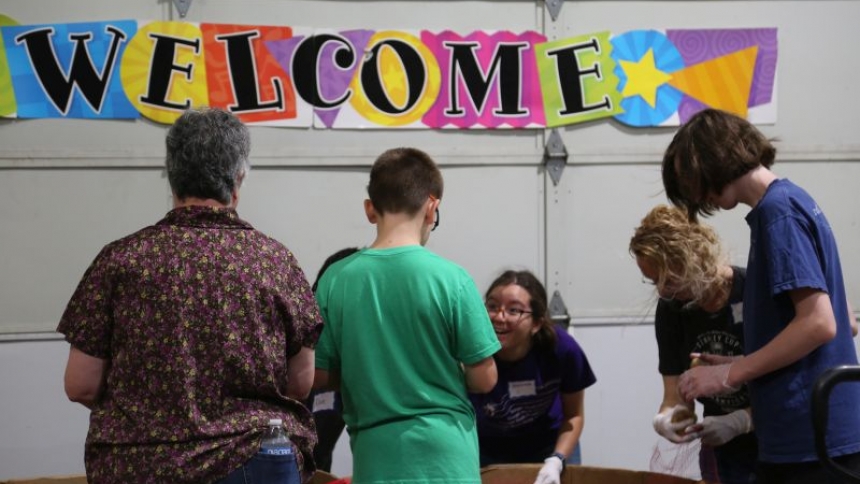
(565,343)
(739,277)
(343,266)
(121,250)
(443,269)
(784,199)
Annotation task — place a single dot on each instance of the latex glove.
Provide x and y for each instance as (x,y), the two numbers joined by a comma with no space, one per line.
(674,432)
(719,429)
(550,473)
(705,381)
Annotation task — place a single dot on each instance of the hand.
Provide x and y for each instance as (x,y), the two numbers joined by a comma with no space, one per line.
(705,381)
(550,473)
(675,432)
(717,430)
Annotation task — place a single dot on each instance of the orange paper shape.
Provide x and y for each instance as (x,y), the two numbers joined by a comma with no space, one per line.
(268,74)
(722,83)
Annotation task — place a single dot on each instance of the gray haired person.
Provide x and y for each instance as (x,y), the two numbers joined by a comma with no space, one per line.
(190,335)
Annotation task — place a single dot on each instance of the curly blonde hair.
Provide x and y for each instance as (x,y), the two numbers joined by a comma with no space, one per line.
(686,254)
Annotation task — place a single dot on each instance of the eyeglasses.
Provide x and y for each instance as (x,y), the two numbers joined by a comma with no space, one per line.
(517,314)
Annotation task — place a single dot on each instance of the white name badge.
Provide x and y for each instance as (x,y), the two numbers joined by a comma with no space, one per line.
(323,401)
(521,388)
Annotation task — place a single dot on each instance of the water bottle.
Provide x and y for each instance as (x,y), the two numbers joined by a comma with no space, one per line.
(275,440)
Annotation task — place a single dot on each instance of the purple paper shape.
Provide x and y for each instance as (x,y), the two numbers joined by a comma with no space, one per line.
(698,46)
(333,78)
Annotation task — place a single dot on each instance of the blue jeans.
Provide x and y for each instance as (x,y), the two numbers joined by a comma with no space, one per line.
(723,467)
(266,469)
(575,457)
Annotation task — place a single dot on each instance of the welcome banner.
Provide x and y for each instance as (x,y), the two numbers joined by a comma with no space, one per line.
(332,79)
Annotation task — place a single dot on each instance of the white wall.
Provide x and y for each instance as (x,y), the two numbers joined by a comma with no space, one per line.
(41,432)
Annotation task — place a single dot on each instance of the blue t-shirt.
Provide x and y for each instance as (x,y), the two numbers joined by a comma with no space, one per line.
(792,247)
(519,419)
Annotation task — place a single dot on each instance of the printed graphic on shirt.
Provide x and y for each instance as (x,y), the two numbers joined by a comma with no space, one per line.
(726,344)
(525,402)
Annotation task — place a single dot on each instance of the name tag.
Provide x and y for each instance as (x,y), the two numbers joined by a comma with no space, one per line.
(738,312)
(521,388)
(323,401)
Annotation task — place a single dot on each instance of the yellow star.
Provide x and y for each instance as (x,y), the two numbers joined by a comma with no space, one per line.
(643,78)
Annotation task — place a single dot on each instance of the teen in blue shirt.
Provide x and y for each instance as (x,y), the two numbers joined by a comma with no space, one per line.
(796,319)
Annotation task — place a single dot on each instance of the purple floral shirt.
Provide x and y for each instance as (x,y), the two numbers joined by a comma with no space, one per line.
(197,317)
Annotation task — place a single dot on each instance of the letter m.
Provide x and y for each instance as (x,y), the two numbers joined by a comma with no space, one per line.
(506,67)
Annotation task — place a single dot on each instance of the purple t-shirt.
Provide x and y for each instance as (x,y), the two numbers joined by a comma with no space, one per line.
(197,317)
(519,419)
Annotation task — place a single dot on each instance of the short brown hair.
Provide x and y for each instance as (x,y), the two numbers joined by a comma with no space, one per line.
(713,149)
(402,179)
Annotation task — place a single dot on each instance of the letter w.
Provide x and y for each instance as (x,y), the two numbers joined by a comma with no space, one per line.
(82,73)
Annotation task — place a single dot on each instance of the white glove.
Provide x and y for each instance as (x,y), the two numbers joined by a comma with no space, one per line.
(675,432)
(705,381)
(717,430)
(550,473)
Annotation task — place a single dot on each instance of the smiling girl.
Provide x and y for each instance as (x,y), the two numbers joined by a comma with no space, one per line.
(535,411)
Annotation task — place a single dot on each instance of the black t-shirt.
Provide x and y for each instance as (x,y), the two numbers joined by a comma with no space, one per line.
(681,331)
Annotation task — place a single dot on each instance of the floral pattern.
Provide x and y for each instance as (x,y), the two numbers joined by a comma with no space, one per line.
(197,317)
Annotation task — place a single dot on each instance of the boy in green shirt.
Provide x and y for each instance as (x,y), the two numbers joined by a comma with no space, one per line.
(406,335)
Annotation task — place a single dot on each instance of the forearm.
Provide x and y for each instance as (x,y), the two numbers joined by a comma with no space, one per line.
(326,380)
(88,402)
(573,410)
(84,379)
(796,341)
(568,435)
(482,376)
(300,374)
(671,398)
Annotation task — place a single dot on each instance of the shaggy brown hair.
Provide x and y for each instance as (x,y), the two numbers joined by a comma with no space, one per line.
(713,149)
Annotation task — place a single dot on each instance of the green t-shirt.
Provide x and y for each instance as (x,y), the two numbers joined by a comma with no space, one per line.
(398,323)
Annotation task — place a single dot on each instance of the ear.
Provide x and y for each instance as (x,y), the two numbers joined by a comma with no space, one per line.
(370,212)
(430,214)
(235,192)
(234,198)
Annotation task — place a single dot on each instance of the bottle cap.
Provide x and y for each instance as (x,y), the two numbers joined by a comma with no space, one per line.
(275,421)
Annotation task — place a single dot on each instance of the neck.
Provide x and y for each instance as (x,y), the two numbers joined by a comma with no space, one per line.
(754,185)
(515,353)
(398,230)
(197,202)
